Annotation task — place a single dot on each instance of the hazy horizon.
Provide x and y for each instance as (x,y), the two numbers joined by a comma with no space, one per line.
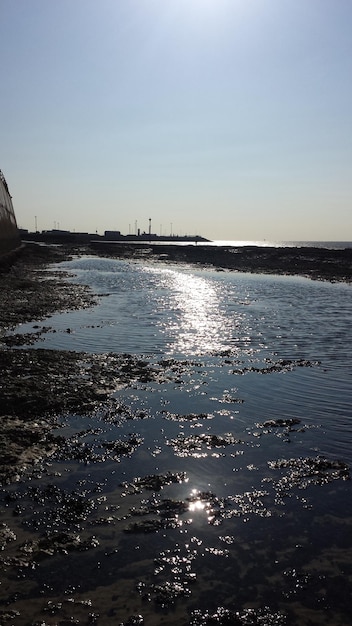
(225,118)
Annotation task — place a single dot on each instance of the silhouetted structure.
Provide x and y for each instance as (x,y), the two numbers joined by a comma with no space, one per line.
(9,235)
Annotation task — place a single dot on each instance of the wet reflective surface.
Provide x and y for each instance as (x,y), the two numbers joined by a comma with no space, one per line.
(214,487)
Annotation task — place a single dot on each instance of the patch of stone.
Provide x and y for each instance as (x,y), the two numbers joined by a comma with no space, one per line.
(8,617)
(189,417)
(305,471)
(228,399)
(298,581)
(165,513)
(173,575)
(195,445)
(38,384)
(153,482)
(216,509)
(73,448)
(153,525)
(122,447)
(42,381)
(248,503)
(164,508)
(22,444)
(134,620)
(21,339)
(175,562)
(58,508)
(61,542)
(179,366)
(280,366)
(6,535)
(245,617)
(280,423)
(30,291)
(164,594)
(32,551)
(315,263)
(281,427)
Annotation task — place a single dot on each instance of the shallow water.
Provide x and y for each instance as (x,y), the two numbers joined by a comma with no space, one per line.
(234,492)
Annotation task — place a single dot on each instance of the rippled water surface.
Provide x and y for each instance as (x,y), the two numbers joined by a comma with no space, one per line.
(235,494)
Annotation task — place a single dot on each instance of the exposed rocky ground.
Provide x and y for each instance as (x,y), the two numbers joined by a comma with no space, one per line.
(316,263)
(36,385)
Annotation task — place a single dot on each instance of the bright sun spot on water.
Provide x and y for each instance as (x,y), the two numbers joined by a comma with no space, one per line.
(196,504)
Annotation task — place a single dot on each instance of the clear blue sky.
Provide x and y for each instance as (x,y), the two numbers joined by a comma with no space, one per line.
(227,118)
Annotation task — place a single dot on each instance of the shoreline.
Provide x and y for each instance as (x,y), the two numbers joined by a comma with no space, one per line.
(39,389)
(333,265)
(32,290)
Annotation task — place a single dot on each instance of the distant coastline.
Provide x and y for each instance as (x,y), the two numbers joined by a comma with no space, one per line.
(318,262)
(66,236)
(329,245)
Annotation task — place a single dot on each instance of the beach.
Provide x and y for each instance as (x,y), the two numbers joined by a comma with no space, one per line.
(31,291)
(39,386)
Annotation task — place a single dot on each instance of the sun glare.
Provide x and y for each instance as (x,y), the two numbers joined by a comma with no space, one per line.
(201,11)
(196,504)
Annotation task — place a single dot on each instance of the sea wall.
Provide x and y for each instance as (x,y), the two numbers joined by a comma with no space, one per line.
(9,236)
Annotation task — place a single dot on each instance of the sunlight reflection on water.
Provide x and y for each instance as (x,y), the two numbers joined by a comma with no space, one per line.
(196,324)
(248,443)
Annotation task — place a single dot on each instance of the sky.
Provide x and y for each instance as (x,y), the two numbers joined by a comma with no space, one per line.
(231,119)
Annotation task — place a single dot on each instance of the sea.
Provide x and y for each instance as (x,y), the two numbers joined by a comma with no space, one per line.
(235,507)
(263,243)
(330,245)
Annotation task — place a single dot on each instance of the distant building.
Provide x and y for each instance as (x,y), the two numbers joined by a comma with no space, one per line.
(112,235)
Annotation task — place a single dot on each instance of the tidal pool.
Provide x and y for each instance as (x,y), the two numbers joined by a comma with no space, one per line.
(215,491)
